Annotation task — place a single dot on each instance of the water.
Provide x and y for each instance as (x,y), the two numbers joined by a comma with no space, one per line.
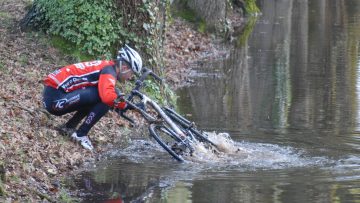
(285,106)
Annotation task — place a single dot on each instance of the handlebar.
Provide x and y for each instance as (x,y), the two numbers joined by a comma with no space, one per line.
(146,71)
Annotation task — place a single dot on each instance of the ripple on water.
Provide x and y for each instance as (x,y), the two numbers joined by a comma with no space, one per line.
(346,169)
(241,155)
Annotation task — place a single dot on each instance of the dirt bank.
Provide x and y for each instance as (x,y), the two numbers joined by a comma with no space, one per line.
(34,156)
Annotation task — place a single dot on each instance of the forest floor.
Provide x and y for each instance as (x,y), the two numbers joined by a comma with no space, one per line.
(34,156)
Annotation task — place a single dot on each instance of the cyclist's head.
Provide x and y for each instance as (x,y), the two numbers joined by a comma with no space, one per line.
(131,57)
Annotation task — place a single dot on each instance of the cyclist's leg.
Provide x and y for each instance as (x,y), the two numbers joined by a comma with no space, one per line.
(96,112)
(77,117)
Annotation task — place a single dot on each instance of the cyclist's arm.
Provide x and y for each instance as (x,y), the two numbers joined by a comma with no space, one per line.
(106,86)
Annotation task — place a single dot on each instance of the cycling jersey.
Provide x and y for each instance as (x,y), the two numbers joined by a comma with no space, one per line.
(100,73)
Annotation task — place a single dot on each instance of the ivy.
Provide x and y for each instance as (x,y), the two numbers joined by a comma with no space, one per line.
(99,27)
(88,24)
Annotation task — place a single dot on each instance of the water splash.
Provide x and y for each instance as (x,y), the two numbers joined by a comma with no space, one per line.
(251,155)
(229,154)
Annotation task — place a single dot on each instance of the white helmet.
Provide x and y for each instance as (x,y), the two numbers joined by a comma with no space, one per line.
(132,57)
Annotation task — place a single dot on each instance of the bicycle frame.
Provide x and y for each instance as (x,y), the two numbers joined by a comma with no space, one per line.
(146,100)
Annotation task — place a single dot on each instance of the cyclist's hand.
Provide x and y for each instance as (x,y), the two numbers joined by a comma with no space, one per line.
(120,102)
(121,105)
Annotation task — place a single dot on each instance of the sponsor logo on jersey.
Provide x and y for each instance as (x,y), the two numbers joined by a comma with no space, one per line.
(73,81)
(64,103)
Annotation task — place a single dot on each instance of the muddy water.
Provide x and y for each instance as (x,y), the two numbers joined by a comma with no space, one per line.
(285,107)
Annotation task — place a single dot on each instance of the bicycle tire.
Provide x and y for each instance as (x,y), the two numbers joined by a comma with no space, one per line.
(162,134)
(187,126)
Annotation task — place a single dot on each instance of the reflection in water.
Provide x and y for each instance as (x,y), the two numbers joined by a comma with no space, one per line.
(358,93)
(297,72)
(289,98)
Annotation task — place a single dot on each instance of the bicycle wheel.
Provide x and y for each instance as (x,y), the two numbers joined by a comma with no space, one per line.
(168,139)
(188,126)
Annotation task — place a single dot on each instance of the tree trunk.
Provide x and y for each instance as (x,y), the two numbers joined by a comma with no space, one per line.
(212,11)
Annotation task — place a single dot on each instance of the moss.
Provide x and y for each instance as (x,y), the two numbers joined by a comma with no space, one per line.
(202,26)
(187,14)
(242,39)
(251,7)
(69,48)
(183,11)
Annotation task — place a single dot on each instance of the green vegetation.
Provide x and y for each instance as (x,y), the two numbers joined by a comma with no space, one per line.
(69,48)
(89,24)
(183,11)
(23,60)
(66,198)
(187,14)
(250,24)
(98,28)
(202,26)
(170,96)
(152,89)
(87,29)
(4,15)
(160,92)
(190,16)
(251,7)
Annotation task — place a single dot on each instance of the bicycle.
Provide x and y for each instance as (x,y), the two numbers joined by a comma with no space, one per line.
(173,132)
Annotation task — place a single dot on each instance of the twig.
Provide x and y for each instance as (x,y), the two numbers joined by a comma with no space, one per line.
(25,109)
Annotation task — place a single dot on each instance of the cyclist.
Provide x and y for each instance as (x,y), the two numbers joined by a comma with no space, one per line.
(88,88)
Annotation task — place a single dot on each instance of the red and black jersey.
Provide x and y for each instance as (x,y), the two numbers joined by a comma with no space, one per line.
(99,73)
